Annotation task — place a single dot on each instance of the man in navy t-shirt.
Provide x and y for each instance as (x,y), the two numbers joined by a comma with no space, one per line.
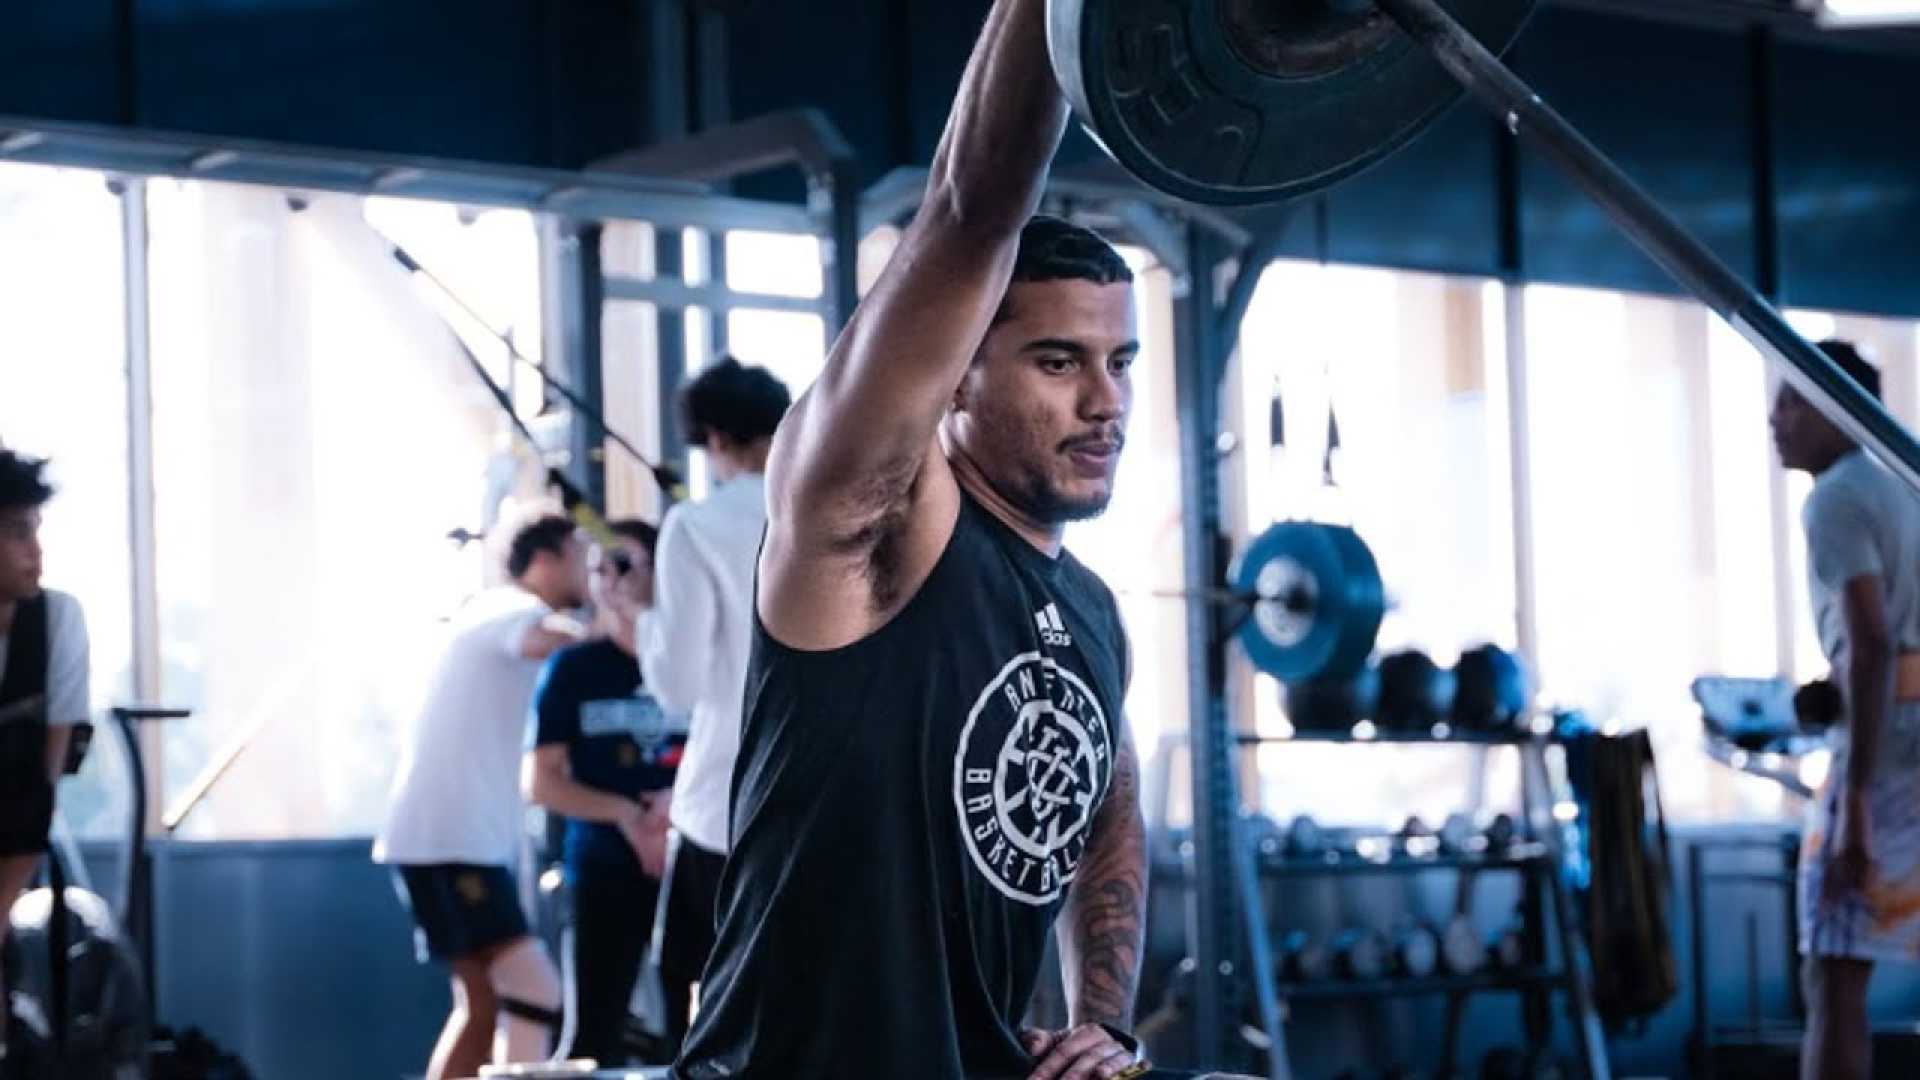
(599,753)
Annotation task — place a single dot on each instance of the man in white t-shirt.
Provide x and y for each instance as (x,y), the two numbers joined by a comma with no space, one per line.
(1860,856)
(43,686)
(453,827)
(693,645)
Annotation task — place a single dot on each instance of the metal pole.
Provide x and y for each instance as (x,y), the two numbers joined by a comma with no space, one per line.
(1810,371)
(1696,905)
(142,543)
(1216,918)
(1526,601)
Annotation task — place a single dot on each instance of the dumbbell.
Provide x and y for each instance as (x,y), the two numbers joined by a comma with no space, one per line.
(1490,690)
(1456,834)
(1818,705)
(1462,952)
(1502,833)
(1415,840)
(1303,959)
(1508,949)
(1416,951)
(1306,840)
(1415,692)
(1334,704)
(1360,954)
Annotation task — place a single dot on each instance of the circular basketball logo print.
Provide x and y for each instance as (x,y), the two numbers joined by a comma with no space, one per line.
(1033,763)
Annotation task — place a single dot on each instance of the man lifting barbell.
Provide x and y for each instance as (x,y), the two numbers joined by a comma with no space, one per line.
(933,764)
(1860,871)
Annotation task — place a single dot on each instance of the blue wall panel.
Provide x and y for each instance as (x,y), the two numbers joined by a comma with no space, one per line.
(57,60)
(298,956)
(1431,206)
(401,76)
(1672,106)
(1849,179)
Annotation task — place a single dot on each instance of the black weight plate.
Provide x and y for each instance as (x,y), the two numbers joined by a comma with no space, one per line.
(1230,102)
(1319,601)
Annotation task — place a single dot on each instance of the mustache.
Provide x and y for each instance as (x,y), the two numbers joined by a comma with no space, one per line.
(1106,437)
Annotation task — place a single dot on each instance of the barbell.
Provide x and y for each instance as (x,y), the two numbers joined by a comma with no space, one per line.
(1307,598)
(1231,102)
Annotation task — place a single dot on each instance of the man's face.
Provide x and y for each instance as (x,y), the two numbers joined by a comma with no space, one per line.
(576,569)
(19,552)
(1043,410)
(1805,438)
(626,571)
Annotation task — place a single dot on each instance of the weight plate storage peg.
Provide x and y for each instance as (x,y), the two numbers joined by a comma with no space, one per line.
(1246,101)
(1317,601)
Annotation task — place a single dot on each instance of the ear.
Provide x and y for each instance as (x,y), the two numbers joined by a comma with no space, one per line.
(963,392)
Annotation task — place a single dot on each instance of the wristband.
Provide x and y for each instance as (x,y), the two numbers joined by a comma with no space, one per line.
(1128,1043)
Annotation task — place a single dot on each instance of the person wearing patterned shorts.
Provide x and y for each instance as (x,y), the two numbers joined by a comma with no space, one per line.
(1860,862)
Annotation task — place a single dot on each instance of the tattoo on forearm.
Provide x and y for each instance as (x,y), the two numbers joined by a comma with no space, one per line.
(1108,905)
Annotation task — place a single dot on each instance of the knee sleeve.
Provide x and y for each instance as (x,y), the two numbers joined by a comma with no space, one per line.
(526,983)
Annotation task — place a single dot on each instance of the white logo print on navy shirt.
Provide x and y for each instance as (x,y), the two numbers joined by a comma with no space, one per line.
(1032,765)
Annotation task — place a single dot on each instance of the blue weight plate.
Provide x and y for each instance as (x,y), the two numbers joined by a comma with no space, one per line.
(1319,601)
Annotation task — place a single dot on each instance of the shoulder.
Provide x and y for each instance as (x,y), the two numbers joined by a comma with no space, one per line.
(1091,583)
(688,521)
(570,660)
(741,499)
(505,606)
(66,620)
(61,605)
(1839,489)
(1100,598)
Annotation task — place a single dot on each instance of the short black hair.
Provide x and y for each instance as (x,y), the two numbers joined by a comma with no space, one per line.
(548,533)
(1055,249)
(23,481)
(636,530)
(729,398)
(1847,355)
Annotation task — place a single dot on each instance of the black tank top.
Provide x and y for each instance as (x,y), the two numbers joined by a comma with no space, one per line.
(907,814)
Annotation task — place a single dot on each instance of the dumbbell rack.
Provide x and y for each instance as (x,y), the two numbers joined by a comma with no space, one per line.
(1547,909)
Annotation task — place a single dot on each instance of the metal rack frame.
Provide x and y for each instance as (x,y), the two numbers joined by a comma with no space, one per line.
(1547,907)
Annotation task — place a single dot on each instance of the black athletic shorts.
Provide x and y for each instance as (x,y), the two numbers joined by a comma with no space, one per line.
(460,909)
(26,816)
(26,795)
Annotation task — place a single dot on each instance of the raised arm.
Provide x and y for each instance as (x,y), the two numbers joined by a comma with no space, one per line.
(855,467)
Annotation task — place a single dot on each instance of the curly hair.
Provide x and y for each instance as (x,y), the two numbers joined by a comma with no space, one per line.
(23,480)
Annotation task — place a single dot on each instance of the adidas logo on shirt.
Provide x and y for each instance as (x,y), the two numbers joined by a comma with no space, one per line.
(1052,630)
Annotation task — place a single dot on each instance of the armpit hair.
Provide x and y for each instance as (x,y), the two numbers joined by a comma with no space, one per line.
(881,502)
